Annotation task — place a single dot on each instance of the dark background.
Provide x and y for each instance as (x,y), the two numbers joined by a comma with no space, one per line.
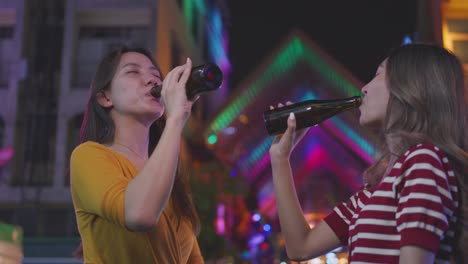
(357,33)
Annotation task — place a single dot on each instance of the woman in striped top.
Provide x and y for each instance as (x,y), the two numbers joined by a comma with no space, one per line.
(411,207)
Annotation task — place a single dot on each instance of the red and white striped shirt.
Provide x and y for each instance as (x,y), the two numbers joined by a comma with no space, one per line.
(415,204)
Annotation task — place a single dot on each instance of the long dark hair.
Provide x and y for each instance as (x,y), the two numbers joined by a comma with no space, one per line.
(428,103)
(99,127)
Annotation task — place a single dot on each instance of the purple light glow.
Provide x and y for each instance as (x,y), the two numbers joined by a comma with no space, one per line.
(220,223)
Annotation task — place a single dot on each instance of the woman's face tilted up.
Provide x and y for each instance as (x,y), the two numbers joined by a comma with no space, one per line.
(130,89)
(376,95)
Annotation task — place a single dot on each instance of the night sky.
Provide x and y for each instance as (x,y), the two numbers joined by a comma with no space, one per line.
(357,33)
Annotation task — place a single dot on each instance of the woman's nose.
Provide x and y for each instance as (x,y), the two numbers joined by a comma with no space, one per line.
(364,90)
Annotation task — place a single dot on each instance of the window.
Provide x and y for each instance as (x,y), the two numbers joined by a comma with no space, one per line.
(206,44)
(460,47)
(195,22)
(180,4)
(458,25)
(2,132)
(6,51)
(2,135)
(458,36)
(73,139)
(175,51)
(95,41)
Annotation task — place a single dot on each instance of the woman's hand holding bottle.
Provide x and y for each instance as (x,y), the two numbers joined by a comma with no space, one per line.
(173,93)
(284,144)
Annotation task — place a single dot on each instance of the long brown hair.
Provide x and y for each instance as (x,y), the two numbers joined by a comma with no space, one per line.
(427,103)
(98,126)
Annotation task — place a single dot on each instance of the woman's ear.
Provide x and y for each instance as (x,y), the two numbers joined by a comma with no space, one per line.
(103,99)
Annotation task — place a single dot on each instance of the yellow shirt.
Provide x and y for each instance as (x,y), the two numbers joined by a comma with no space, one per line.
(99,177)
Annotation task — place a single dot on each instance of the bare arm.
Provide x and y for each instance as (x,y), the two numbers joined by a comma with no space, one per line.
(302,242)
(414,254)
(147,194)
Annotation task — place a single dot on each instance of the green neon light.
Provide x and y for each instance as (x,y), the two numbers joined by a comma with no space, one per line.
(361,142)
(258,152)
(261,149)
(288,58)
(189,6)
(212,139)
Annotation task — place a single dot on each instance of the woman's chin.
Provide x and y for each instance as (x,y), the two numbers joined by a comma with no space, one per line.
(158,115)
(157,112)
(362,121)
(371,125)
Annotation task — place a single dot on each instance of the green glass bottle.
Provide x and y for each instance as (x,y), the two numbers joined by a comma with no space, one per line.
(307,113)
(203,78)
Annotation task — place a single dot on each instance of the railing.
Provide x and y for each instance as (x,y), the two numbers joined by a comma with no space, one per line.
(50,250)
(4,73)
(51,260)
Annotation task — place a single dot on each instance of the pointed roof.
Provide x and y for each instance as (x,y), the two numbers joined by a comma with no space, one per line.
(297,70)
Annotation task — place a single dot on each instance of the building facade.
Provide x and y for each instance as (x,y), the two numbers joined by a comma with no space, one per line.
(49,51)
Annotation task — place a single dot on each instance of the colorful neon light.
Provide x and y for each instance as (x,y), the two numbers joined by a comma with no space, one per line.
(258,160)
(284,62)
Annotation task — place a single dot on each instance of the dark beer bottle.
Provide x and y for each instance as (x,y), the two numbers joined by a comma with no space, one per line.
(203,78)
(307,113)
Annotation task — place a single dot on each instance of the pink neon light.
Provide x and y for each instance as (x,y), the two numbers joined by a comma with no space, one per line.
(220,223)
(5,155)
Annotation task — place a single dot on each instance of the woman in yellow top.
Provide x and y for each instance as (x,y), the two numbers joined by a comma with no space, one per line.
(131,204)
